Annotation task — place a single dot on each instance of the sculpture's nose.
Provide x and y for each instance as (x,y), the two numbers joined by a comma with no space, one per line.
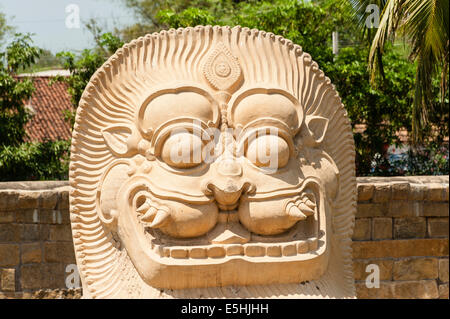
(228,186)
(229,167)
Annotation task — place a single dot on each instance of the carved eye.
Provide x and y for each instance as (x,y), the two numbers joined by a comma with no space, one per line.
(269,151)
(182,150)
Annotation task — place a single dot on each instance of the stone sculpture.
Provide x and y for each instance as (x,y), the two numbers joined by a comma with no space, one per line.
(171,195)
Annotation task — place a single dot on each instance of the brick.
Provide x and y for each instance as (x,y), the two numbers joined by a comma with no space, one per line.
(8,200)
(371,210)
(416,269)
(423,289)
(382,193)
(30,276)
(53,276)
(365,192)
(59,252)
(437,226)
(443,291)
(29,232)
(27,200)
(385,291)
(400,248)
(28,216)
(31,253)
(63,200)
(400,190)
(52,216)
(7,217)
(443,270)
(8,279)
(60,233)
(437,209)
(9,233)
(417,192)
(404,208)
(382,228)
(9,255)
(410,227)
(362,229)
(43,276)
(385,266)
(435,192)
(9,295)
(49,199)
(44,232)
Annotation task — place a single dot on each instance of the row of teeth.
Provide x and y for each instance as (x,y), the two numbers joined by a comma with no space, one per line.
(250,250)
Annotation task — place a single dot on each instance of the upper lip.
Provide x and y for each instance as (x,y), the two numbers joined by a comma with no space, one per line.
(227,193)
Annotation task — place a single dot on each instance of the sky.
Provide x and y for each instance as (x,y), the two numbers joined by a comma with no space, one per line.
(58,30)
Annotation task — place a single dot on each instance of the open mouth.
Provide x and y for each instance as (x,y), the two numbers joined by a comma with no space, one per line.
(230,239)
(212,258)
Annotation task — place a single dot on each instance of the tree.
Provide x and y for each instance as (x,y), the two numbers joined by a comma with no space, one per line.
(5,29)
(383,109)
(82,67)
(151,13)
(424,25)
(21,160)
(19,54)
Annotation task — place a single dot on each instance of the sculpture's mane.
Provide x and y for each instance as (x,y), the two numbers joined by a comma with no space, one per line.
(114,95)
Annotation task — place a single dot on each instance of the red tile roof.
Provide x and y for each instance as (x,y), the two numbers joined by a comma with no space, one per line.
(49,103)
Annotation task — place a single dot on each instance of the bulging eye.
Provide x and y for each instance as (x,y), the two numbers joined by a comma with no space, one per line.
(182,150)
(268,151)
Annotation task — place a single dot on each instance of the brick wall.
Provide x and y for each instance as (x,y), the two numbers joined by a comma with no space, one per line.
(35,240)
(401,226)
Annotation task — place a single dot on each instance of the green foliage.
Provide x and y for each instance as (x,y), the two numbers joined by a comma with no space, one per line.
(35,161)
(46,61)
(154,15)
(20,53)
(18,160)
(431,160)
(5,29)
(82,67)
(424,25)
(189,17)
(302,22)
(383,110)
(382,107)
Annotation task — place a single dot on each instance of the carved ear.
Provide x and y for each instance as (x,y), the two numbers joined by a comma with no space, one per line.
(120,139)
(317,127)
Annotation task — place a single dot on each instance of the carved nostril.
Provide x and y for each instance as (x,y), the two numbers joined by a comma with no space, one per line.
(227,192)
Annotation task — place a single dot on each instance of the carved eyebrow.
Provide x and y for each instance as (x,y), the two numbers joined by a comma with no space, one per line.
(249,92)
(145,116)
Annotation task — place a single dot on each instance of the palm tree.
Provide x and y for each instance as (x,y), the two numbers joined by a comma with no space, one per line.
(424,25)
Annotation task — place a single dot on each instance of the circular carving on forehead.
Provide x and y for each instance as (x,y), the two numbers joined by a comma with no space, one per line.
(183,102)
(222,69)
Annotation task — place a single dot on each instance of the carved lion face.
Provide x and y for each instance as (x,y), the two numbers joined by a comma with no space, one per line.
(210,157)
